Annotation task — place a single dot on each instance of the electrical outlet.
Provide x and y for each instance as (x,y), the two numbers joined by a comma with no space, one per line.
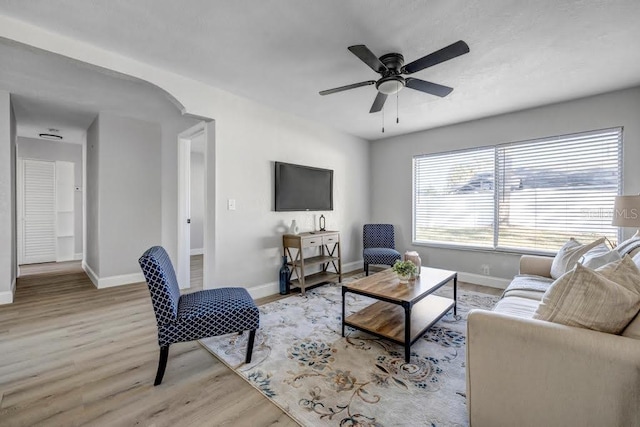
(486,269)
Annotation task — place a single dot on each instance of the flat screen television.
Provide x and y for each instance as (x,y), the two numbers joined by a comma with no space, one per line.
(303,188)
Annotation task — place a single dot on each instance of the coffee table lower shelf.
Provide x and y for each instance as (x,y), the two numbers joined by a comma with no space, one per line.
(388,320)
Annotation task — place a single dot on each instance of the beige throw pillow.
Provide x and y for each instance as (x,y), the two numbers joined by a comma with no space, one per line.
(598,256)
(605,300)
(569,255)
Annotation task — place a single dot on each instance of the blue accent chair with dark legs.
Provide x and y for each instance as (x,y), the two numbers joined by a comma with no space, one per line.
(378,241)
(196,315)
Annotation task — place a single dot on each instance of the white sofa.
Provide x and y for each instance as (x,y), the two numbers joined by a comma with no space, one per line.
(527,372)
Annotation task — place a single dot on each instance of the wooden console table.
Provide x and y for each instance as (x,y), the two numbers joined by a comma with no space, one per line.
(325,248)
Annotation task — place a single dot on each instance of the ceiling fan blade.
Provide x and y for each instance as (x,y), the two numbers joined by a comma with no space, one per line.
(347,87)
(446,53)
(378,103)
(368,57)
(428,87)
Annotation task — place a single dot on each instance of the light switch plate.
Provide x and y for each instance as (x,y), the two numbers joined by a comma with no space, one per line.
(231,204)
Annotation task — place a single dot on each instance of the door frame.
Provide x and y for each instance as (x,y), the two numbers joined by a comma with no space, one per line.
(184,204)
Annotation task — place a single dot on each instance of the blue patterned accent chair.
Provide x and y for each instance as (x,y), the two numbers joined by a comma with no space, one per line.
(378,241)
(196,315)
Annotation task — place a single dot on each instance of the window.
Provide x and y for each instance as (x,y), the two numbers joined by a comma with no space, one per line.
(530,195)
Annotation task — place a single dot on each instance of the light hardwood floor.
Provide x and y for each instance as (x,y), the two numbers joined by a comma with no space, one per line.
(71,354)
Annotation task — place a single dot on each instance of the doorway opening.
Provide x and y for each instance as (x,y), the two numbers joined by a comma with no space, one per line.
(49,202)
(192,211)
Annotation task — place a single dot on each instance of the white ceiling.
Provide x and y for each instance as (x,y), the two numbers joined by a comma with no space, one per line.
(51,91)
(282,52)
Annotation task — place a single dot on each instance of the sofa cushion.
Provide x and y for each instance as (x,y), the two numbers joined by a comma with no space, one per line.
(528,286)
(633,329)
(598,256)
(605,300)
(569,255)
(630,246)
(517,306)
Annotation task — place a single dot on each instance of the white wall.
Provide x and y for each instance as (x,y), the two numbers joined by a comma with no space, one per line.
(92,191)
(391,164)
(13,135)
(31,148)
(246,244)
(244,141)
(130,217)
(125,218)
(197,202)
(248,240)
(8,243)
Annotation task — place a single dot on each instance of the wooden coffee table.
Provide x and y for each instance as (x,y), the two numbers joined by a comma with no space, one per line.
(403,311)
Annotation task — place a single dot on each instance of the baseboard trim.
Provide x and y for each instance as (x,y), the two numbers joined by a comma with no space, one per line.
(6,297)
(478,279)
(123,279)
(197,251)
(352,266)
(272,288)
(111,281)
(92,275)
(264,290)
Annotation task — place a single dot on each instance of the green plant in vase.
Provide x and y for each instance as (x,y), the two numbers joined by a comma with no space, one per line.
(405,270)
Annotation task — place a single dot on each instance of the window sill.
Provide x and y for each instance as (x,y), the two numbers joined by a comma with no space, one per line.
(506,251)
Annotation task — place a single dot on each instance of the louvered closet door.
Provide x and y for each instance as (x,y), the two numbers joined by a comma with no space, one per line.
(39,232)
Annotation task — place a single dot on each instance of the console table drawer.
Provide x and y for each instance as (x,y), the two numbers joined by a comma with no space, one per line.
(311,242)
(331,239)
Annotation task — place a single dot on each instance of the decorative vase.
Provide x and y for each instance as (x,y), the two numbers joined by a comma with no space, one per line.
(404,278)
(285,273)
(294,229)
(414,257)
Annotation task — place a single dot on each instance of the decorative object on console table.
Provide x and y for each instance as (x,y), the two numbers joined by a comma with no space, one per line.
(326,245)
(414,257)
(322,223)
(285,275)
(294,229)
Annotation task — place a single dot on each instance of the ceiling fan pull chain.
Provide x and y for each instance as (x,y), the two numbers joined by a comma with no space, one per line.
(397,116)
(382,119)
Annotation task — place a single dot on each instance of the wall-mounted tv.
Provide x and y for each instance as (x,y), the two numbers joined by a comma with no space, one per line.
(303,188)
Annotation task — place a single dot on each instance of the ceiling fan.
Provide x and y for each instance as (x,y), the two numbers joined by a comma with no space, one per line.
(391,66)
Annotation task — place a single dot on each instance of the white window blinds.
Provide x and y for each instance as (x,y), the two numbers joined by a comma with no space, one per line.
(453,197)
(553,189)
(540,192)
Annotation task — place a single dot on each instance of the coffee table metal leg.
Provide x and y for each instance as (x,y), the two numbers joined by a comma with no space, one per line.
(343,292)
(407,333)
(455,295)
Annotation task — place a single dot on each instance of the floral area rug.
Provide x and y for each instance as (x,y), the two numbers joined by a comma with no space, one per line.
(303,364)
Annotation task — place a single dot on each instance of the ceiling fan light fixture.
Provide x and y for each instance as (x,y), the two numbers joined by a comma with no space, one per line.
(390,86)
(391,65)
